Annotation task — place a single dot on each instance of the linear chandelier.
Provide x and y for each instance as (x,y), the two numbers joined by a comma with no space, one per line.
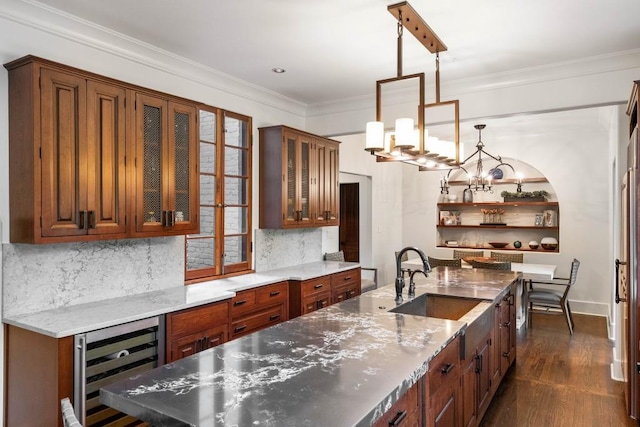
(406,143)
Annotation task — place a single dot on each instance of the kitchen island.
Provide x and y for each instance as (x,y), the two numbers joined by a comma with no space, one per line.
(343,365)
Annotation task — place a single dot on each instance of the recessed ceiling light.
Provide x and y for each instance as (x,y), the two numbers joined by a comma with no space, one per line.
(278,70)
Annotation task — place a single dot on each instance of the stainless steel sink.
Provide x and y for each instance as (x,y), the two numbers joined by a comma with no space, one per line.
(477,314)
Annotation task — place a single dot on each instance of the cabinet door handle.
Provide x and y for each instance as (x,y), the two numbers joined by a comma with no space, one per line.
(274,293)
(274,317)
(206,342)
(92,219)
(237,303)
(506,324)
(83,219)
(321,303)
(446,368)
(397,420)
(478,364)
(240,328)
(318,286)
(347,278)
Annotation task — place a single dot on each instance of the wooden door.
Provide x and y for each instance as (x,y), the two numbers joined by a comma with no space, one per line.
(106,158)
(63,155)
(349,230)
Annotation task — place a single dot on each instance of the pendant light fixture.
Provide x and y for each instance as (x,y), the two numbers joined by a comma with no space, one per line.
(406,142)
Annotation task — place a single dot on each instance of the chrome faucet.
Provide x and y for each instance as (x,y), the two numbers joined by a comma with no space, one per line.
(400,274)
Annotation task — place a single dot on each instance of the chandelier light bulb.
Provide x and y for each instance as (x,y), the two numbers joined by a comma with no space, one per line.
(405,134)
(374,140)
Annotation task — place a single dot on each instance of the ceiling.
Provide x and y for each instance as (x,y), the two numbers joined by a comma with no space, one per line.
(335,50)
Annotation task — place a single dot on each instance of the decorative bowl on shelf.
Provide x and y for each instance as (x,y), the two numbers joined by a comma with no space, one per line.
(549,243)
(498,245)
(533,244)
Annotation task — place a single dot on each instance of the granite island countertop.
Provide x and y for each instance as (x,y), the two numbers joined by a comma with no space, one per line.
(75,319)
(344,365)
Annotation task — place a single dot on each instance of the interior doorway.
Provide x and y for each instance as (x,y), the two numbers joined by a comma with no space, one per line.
(349,232)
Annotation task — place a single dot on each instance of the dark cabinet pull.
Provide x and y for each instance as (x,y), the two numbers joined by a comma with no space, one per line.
(478,364)
(506,324)
(506,354)
(321,303)
(205,342)
(92,219)
(84,220)
(446,368)
(274,317)
(197,346)
(240,328)
(347,278)
(274,293)
(237,303)
(397,420)
(318,286)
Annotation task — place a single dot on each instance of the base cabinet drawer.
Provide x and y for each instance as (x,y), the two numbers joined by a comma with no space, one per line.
(257,320)
(195,329)
(344,292)
(406,412)
(316,302)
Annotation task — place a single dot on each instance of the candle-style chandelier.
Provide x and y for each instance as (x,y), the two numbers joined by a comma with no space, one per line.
(482,179)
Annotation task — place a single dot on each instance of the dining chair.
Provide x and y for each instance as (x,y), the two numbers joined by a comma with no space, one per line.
(503,256)
(458,254)
(444,262)
(506,265)
(69,418)
(365,284)
(543,300)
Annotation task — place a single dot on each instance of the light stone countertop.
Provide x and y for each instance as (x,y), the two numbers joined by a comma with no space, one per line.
(80,318)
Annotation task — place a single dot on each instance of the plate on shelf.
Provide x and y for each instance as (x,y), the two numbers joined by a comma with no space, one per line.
(498,245)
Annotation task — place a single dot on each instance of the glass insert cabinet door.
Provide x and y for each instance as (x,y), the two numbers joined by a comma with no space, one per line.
(167,174)
(298,171)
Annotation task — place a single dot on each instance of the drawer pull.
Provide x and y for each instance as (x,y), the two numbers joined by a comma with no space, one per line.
(274,317)
(237,303)
(446,368)
(318,286)
(240,328)
(274,293)
(397,420)
(506,324)
(347,278)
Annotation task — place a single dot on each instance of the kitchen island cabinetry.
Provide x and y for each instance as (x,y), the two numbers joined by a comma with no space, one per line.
(93,158)
(443,398)
(298,179)
(195,329)
(406,411)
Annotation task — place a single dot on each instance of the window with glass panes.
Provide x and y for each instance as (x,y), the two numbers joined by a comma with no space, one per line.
(224,243)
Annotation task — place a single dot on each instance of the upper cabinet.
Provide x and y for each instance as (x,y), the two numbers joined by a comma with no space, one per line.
(166,152)
(91,157)
(298,179)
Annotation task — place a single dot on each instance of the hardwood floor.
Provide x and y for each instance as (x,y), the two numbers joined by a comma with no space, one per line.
(559,379)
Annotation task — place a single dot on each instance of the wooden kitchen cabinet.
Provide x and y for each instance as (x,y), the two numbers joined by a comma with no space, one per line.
(298,179)
(507,332)
(166,151)
(89,156)
(345,285)
(443,400)
(406,411)
(328,186)
(258,308)
(66,155)
(195,329)
(306,296)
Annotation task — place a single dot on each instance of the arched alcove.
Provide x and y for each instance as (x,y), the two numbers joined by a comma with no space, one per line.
(506,207)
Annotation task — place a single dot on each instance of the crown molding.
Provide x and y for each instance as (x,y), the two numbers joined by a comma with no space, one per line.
(49,20)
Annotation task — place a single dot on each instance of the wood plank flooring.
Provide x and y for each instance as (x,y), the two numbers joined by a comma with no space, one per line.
(559,379)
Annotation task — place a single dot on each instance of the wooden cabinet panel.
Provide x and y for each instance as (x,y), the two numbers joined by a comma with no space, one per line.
(316,286)
(310,295)
(445,366)
(469,393)
(272,293)
(443,410)
(484,376)
(406,411)
(63,152)
(316,302)
(196,329)
(106,152)
(345,292)
(298,179)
